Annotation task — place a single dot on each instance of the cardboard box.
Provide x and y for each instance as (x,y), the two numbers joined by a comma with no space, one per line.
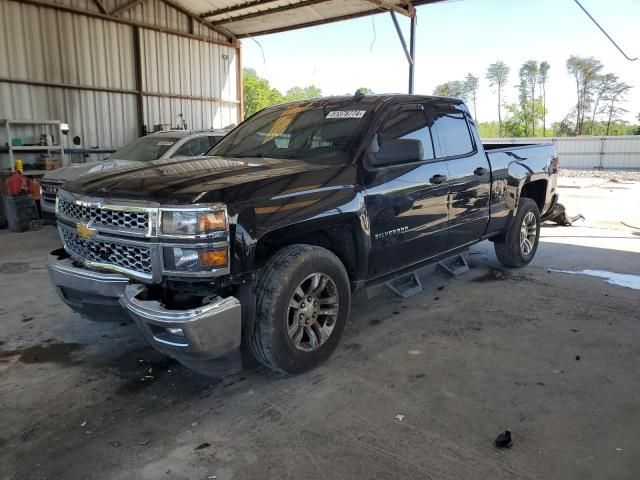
(161,127)
(51,163)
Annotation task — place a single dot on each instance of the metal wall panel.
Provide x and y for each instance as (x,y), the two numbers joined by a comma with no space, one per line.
(51,46)
(46,45)
(152,12)
(621,152)
(189,68)
(100,119)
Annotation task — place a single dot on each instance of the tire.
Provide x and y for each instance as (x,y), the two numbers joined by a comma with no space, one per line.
(290,271)
(511,249)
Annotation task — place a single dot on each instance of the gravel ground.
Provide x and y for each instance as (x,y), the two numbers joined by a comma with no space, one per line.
(613,175)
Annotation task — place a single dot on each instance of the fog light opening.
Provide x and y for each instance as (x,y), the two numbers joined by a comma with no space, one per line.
(176,331)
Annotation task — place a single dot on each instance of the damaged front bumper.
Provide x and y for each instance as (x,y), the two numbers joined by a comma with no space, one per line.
(201,333)
(206,332)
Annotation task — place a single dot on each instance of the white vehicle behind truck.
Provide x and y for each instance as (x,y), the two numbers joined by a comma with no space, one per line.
(157,146)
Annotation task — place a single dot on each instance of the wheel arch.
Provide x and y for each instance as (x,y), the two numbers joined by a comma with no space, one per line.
(341,239)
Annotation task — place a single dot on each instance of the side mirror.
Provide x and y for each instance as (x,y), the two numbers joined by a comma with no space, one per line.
(398,151)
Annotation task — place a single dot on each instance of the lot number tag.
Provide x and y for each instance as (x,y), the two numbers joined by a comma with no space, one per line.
(346,114)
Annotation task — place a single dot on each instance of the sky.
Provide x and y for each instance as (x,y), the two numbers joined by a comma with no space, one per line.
(454,38)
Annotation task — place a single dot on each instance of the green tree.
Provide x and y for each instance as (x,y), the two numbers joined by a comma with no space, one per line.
(518,122)
(471,86)
(616,95)
(298,93)
(454,88)
(585,71)
(257,93)
(498,76)
(543,76)
(365,90)
(603,85)
(528,82)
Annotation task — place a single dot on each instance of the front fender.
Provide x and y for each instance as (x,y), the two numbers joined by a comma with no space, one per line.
(334,217)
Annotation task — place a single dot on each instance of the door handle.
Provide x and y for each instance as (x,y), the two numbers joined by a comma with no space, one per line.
(438,179)
(480,171)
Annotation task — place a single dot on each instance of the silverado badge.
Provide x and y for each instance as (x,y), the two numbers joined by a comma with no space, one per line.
(84,231)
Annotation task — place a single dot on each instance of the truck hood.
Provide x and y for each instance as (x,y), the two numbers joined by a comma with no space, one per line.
(73,172)
(211,179)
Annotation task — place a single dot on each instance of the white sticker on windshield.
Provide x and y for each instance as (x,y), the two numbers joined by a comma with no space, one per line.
(346,114)
(165,144)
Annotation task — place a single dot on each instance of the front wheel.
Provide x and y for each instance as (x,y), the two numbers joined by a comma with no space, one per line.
(519,244)
(302,306)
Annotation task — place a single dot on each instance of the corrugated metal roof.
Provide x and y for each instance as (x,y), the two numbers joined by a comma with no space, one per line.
(245,18)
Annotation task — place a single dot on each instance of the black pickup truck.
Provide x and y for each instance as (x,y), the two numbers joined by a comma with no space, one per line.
(258,246)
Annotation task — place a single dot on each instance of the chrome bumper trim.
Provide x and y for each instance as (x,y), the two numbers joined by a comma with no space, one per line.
(208,332)
(94,295)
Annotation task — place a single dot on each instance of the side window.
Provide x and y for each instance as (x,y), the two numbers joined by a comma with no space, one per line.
(403,137)
(213,140)
(453,132)
(193,148)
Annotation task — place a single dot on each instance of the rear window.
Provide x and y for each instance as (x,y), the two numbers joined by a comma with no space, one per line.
(453,132)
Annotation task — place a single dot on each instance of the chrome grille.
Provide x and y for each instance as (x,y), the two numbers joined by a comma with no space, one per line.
(130,257)
(49,191)
(120,219)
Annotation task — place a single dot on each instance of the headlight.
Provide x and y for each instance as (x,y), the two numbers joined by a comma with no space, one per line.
(193,223)
(195,259)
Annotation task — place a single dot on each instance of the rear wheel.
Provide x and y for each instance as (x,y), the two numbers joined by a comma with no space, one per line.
(303,302)
(518,246)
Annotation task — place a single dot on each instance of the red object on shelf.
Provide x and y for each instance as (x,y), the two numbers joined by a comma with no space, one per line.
(34,188)
(17,184)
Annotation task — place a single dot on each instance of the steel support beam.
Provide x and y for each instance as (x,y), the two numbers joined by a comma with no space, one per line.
(125,7)
(66,86)
(206,23)
(101,7)
(401,37)
(387,5)
(283,8)
(146,26)
(239,85)
(137,70)
(126,91)
(410,52)
(237,8)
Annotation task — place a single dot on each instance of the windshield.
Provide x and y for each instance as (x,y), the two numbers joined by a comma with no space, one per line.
(322,131)
(145,149)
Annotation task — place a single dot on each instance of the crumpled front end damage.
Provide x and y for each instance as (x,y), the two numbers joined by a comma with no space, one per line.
(205,332)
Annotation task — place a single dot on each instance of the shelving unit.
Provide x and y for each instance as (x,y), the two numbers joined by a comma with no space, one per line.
(12,150)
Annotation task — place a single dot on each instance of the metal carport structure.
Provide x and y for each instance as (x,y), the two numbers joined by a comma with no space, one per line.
(112,68)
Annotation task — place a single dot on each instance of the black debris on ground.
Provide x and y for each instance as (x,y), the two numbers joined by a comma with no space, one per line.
(504,440)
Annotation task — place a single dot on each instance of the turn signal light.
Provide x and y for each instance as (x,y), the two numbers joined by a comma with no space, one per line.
(213,258)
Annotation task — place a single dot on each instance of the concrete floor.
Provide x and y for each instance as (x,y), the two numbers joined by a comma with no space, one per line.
(418,388)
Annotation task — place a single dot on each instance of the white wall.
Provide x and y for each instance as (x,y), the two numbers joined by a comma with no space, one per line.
(622,152)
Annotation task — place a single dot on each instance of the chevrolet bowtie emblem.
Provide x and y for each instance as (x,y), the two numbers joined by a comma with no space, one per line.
(84,231)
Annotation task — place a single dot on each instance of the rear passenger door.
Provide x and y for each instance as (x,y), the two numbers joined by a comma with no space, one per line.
(469,173)
(406,191)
